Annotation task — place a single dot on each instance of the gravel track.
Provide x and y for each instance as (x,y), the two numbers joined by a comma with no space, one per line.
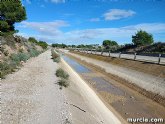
(30,95)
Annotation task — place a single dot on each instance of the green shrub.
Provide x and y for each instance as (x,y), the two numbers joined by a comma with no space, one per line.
(4,69)
(19,57)
(2,49)
(43,44)
(21,50)
(55,56)
(58,59)
(63,83)
(62,74)
(23,56)
(32,40)
(13,65)
(13,62)
(6,53)
(33,52)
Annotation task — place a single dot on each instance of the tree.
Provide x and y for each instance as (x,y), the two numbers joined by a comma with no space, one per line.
(43,44)
(108,43)
(142,38)
(59,45)
(55,45)
(73,46)
(63,45)
(10,13)
(81,46)
(33,40)
(89,46)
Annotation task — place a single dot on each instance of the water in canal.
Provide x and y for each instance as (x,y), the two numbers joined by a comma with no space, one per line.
(124,101)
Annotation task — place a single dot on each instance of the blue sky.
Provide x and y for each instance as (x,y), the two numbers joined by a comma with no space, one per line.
(92,21)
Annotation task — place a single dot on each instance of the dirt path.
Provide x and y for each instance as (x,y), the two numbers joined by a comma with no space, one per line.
(31,96)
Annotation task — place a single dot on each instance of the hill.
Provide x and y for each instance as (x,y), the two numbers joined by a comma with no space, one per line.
(14,50)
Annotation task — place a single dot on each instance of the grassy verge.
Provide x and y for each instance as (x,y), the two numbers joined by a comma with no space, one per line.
(63,81)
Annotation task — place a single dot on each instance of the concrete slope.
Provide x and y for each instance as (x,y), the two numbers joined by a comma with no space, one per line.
(97,111)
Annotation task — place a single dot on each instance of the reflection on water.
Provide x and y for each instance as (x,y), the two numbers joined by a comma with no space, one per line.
(77,67)
(102,85)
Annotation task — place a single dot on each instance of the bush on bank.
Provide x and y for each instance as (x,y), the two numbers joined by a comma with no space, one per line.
(62,74)
(63,81)
(14,61)
(55,56)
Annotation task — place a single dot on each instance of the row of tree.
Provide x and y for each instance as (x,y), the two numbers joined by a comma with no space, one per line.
(139,39)
(59,45)
(72,46)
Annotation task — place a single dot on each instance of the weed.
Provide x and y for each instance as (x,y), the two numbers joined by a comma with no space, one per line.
(43,44)
(33,52)
(6,53)
(62,74)
(2,49)
(21,50)
(4,69)
(67,121)
(63,83)
(58,59)
(19,57)
(55,56)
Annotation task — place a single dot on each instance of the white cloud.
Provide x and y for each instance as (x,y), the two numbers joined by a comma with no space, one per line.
(50,31)
(115,14)
(28,1)
(94,19)
(48,28)
(58,1)
(114,33)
